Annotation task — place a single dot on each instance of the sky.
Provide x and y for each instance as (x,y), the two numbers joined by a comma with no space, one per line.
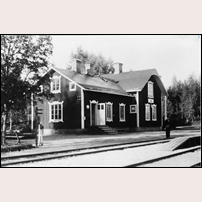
(170,55)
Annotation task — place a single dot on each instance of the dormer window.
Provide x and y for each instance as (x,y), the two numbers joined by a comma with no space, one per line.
(150,89)
(56,84)
(72,86)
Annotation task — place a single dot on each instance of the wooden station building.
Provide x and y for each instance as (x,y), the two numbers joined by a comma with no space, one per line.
(121,100)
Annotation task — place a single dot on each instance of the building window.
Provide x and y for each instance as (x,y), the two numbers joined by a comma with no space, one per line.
(109,111)
(72,86)
(150,89)
(55,84)
(133,109)
(147,112)
(154,117)
(41,88)
(56,112)
(122,112)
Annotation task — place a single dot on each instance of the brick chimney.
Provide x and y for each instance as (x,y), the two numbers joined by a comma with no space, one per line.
(118,68)
(87,67)
(76,65)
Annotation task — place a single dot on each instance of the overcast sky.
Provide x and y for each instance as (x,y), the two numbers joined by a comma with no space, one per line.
(171,55)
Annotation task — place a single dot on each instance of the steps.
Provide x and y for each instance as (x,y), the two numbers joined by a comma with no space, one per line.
(107,130)
(104,129)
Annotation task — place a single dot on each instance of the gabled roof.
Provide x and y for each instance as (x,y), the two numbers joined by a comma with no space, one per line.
(132,74)
(92,83)
(120,84)
(135,80)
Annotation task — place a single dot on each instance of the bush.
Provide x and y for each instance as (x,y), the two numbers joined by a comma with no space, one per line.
(178,120)
(23,127)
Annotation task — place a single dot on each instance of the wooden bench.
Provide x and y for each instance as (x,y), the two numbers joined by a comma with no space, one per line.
(14,135)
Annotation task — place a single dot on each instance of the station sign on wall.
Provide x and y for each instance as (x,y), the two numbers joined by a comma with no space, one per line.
(133,109)
(151,101)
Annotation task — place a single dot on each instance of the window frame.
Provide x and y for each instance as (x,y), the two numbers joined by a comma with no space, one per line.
(124,107)
(70,86)
(52,84)
(147,109)
(154,106)
(50,111)
(41,88)
(111,112)
(150,88)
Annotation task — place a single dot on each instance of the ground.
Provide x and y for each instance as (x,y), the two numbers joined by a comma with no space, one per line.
(57,141)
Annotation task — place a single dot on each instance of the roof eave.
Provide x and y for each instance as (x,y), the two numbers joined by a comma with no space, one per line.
(133,90)
(114,93)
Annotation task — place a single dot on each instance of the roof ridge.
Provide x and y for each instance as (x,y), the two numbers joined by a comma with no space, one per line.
(132,71)
(142,70)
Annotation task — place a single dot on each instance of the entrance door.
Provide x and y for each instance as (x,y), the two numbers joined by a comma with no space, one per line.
(93,114)
(101,114)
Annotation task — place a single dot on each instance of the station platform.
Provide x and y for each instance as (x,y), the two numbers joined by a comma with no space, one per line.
(71,142)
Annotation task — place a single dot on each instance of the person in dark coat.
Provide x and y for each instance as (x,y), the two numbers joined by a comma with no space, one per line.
(167,128)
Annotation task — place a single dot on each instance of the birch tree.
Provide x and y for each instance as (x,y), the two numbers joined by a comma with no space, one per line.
(24,59)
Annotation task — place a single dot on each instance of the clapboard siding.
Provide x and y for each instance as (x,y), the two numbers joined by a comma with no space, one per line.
(71,107)
(116,100)
(143,99)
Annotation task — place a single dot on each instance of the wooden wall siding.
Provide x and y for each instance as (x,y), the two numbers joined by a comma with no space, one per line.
(116,100)
(71,108)
(143,99)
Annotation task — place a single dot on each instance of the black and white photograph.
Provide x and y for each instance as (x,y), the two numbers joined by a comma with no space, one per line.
(107,101)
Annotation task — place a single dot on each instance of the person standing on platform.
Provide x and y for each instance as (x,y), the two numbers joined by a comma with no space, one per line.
(40,135)
(167,127)
(39,138)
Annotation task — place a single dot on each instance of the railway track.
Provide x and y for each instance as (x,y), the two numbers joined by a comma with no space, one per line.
(34,157)
(148,163)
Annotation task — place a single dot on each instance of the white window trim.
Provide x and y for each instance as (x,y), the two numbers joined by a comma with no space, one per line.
(70,86)
(107,119)
(120,105)
(93,102)
(131,112)
(56,91)
(150,83)
(50,115)
(146,105)
(153,112)
(41,88)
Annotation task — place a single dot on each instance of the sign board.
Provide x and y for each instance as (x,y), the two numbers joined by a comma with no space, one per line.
(133,109)
(151,101)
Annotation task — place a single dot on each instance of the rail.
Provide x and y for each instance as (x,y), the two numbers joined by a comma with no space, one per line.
(163,157)
(34,157)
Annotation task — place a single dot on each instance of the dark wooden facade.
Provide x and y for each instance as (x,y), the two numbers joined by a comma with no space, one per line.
(73,106)
(130,120)
(143,99)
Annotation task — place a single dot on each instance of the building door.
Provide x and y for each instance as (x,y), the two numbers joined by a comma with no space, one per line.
(93,114)
(101,114)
